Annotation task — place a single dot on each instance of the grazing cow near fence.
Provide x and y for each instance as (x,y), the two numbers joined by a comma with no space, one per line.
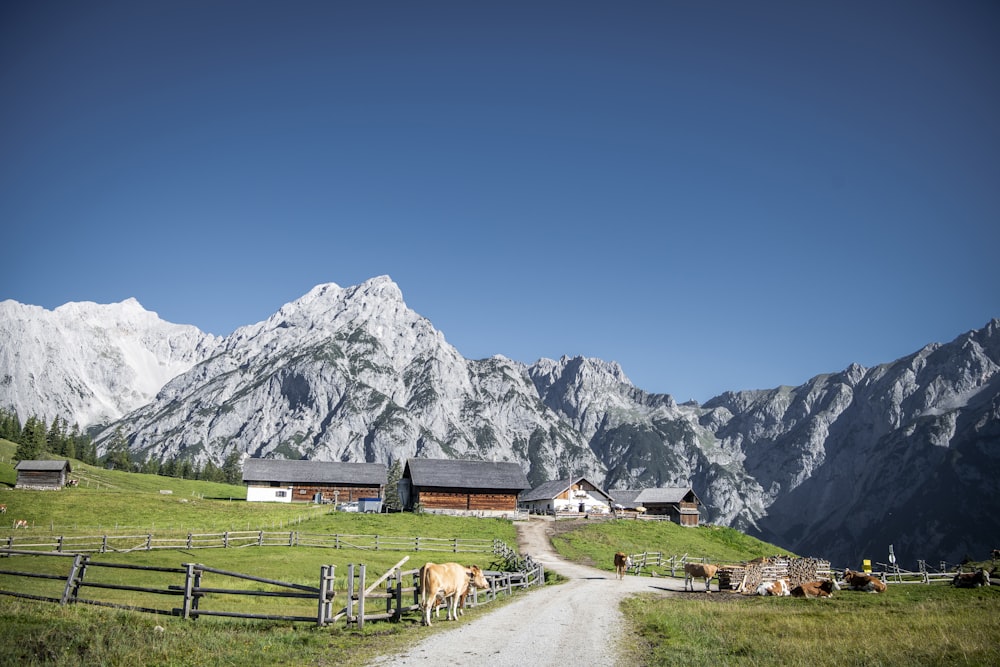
(20,523)
(447,580)
(816,589)
(704,571)
(622,563)
(779,588)
(859,581)
(971,579)
(3,509)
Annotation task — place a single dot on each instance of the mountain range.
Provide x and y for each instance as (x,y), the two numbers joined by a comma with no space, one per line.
(906,453)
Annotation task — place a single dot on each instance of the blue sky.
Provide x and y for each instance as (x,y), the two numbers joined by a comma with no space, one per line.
(716,195)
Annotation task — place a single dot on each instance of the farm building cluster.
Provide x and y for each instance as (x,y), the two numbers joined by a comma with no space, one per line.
(484,488)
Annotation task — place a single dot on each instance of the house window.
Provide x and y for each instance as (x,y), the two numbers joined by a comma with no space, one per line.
(280,494)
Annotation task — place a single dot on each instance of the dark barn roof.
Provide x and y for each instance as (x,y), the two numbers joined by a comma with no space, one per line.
(306,472)
(459,474)
(43,466)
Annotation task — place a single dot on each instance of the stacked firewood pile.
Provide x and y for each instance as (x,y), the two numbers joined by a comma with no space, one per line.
(747,577)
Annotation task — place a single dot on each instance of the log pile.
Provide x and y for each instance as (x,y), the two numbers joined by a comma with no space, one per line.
(745,578)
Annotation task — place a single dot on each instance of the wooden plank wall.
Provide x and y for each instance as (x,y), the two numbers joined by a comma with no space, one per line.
(468,500)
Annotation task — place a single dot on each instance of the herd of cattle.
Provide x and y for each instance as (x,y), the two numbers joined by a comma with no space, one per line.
(821,588)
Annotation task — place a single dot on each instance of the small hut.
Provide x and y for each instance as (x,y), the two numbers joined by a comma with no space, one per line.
(42,475)
(680,504)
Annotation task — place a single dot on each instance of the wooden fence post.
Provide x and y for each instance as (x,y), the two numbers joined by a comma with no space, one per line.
(225,540)
(361,597)
(325,594)
(350,592)
(188,586)
(260,538)
(149,541)
(71,580)
(399,596)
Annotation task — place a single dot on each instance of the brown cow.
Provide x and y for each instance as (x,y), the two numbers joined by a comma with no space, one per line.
(622,563)
(816,589)
(777,588)
(20,523)
(447,580)
(694,571)
(971,579)
(3,509)
(859,581)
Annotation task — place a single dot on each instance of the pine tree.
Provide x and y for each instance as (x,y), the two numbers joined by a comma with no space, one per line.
(32,441)
(392,503)
(55,440)
(231,473)
(10,425)
(117,457)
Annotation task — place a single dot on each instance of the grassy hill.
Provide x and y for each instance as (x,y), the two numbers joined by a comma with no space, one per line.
(928,625)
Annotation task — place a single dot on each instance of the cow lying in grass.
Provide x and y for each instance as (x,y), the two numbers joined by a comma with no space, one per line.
(779,588)
(859,581)
(971,579)
(816,589)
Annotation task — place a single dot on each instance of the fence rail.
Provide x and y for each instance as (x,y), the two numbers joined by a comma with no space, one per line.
(241,538)
(388,598)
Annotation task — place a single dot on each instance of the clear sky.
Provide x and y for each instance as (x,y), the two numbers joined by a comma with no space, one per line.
(716,195)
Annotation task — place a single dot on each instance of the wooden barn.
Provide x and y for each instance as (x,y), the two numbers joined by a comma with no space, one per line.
(275,480)
(567,495)
(43,475)
(679,504)
(466,487)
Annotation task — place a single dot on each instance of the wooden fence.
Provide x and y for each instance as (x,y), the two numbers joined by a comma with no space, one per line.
(398,591)
(190,591)
(394,593)
(644,563)
(242,538)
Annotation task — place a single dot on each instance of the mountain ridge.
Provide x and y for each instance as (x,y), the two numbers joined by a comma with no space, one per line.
(351,373)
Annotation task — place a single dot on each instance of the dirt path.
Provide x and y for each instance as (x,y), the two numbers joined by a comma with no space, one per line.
(569,624)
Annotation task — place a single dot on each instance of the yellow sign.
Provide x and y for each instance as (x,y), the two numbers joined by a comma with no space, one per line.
(866,565)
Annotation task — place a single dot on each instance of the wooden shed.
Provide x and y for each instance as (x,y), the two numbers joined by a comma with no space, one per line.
(454,485)
(680,504)
(278,480)
(567,495)
(44,475)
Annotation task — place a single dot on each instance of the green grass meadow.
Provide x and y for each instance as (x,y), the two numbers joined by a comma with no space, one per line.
(911,624)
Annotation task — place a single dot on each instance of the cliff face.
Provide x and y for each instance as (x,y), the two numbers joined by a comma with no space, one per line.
(904,453)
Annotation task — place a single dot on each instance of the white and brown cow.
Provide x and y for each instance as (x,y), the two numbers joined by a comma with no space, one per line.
(971,579)
(779,588)
(816,589)
(622,563)
(20,523)
(860,581)
(448,580)
(704,571)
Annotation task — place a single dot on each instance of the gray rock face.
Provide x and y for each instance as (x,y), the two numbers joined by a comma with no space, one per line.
(905,453)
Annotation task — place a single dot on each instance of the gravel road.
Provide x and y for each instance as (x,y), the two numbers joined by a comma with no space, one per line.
(569,624)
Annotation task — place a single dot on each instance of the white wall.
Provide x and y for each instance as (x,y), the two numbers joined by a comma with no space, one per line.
(269,494)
